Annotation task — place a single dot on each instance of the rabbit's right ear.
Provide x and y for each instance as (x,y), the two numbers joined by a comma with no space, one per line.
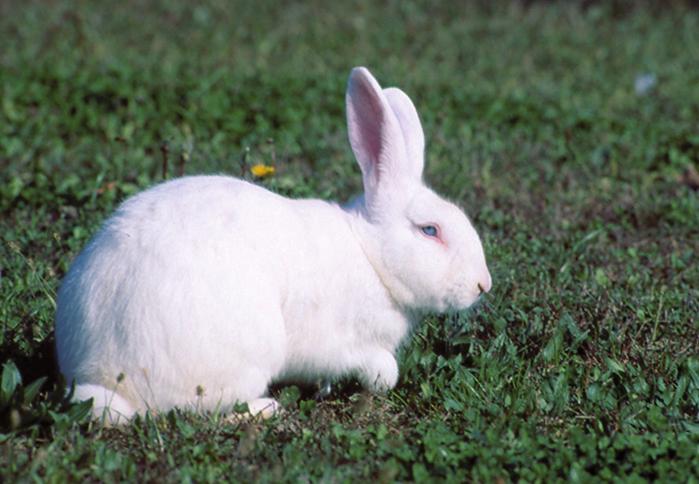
(410,125)
(375,135)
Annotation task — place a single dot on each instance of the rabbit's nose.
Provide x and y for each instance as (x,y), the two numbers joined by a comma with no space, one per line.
(485,284)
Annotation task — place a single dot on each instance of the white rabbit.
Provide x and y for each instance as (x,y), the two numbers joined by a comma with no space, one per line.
(200,292)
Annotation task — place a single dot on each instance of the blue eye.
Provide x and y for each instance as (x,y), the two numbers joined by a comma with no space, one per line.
(429,230)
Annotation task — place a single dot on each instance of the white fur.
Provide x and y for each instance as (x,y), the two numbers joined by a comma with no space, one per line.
(202,291)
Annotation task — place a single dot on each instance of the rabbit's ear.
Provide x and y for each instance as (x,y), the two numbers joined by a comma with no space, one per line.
(375,134)
(410,125)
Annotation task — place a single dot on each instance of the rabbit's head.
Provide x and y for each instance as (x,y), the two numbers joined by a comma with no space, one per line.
(423,247)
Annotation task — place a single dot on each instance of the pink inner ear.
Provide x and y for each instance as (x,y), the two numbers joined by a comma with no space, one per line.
(368,114)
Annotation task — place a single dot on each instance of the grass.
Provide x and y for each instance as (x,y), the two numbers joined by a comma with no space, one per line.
(582,363)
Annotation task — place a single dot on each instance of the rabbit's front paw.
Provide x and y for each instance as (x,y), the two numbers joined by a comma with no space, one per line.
(325,388)
(379,371)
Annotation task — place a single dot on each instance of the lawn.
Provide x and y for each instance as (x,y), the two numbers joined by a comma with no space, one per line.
(568,131)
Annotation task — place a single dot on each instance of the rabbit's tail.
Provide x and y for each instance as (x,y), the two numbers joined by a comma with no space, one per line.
(107,405)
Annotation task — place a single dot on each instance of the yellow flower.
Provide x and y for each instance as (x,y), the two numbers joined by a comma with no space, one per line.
(260,170)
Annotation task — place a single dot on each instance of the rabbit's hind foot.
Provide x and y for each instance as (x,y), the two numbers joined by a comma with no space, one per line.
(107,405)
